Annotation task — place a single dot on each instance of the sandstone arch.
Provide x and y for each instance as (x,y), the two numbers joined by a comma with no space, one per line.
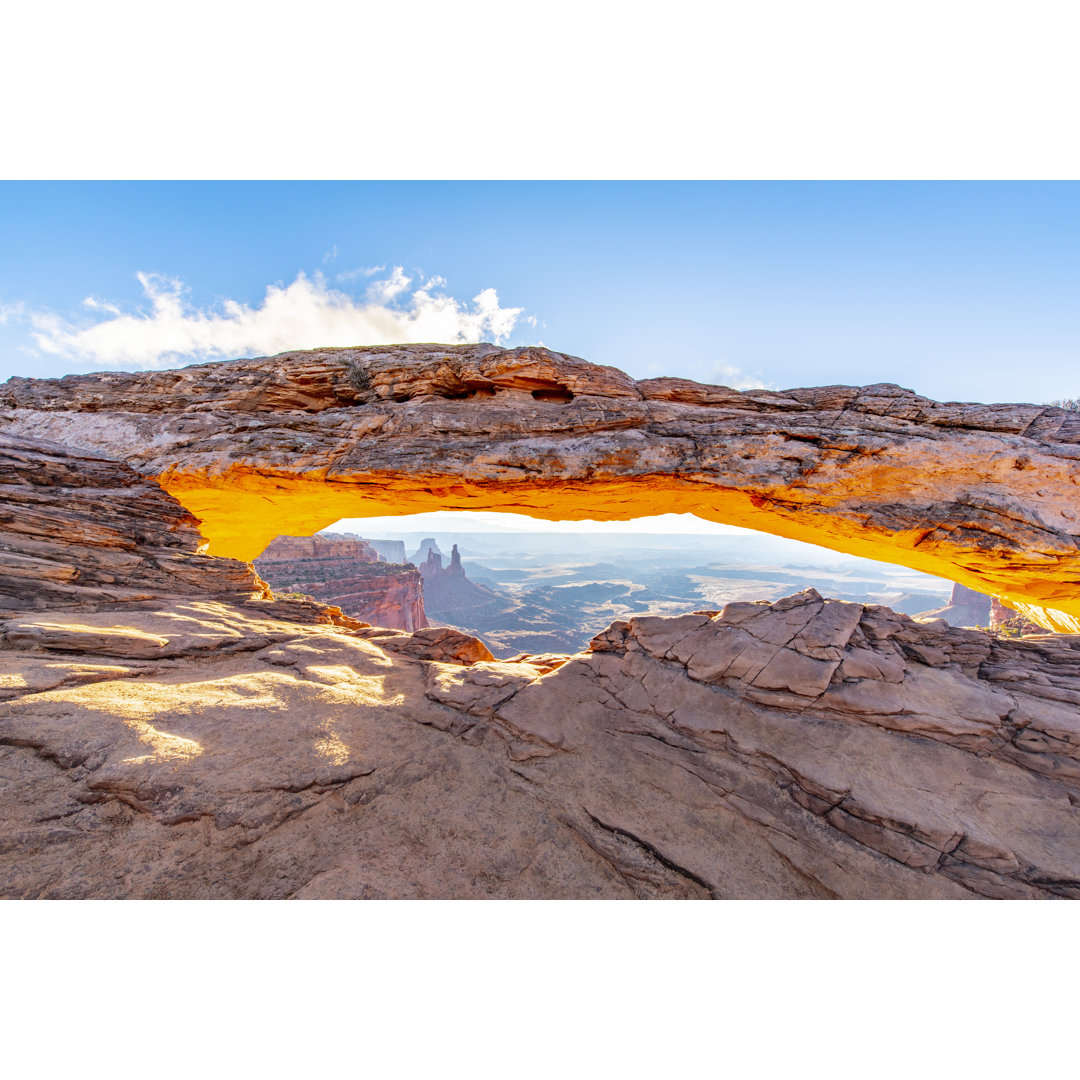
(986,495)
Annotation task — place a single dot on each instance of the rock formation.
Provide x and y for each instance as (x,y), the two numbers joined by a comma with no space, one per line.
(424,551)
(985,495)
(1007,621)
(451,598)
(391,551)
(290,549)
(347,572)
(83,534)
(801,749)
(966,607)
(170,730)
(432,566)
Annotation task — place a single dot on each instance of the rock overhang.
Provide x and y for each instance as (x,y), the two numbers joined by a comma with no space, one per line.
(982,494)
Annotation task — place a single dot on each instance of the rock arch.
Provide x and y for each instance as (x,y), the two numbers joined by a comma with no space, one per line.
(986,495)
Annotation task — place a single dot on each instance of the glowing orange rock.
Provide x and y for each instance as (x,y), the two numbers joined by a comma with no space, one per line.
(986,495)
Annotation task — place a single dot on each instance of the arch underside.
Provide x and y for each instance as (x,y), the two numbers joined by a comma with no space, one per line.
(242,511)
(985,495)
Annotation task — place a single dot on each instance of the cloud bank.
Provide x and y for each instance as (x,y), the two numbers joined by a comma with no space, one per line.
(306,314)
(715,374)
(735,377)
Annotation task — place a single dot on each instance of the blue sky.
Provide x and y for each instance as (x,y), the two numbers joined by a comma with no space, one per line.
(961,291)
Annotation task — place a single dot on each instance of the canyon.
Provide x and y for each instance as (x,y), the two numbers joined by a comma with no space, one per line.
(170,727)
(553,591)
(349,572)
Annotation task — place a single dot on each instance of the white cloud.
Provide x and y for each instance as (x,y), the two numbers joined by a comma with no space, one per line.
(360,271)
(303,315)
(720,374)
(11,311)
(94,304)
(385,291)
(736,378)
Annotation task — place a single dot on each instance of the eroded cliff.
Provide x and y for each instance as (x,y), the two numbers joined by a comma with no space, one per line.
(802,749)
(348,573)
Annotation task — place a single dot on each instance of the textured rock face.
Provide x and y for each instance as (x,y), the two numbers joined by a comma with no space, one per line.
(1008,621)
(984,495)
(966,607)
(348,574)
(85,534)
(806,748)
(78,531)
(297,548)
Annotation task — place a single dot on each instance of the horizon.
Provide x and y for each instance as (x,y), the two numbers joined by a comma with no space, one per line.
(778,551)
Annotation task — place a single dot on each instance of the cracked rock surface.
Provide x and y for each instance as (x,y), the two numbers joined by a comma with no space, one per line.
(805,748)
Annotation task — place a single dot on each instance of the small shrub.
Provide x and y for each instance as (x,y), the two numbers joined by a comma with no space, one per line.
(357,376)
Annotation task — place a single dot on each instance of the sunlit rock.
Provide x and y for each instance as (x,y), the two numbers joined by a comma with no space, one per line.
(170,729)
(985,495)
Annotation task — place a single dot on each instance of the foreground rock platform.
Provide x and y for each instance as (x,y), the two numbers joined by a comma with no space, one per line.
(802,749)
(985,495)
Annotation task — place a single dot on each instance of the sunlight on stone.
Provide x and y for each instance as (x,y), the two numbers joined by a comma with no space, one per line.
(165,747)
(333,749)
(147,700)
(241,511)
(368,688)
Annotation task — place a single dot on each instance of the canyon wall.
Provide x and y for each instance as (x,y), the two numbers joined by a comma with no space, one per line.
(346,572)
(983,494)
(392,551)
(966,607)
(288,549)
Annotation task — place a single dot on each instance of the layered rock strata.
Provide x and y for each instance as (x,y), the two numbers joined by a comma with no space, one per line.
(802,749)
(347,573)
(82,533)
(288,549)
(983,494)
(168,729)
(78,531)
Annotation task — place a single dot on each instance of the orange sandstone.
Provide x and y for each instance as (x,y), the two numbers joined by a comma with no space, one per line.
(986,495)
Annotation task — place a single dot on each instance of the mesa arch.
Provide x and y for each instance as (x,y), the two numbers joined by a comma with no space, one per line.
(987,495)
